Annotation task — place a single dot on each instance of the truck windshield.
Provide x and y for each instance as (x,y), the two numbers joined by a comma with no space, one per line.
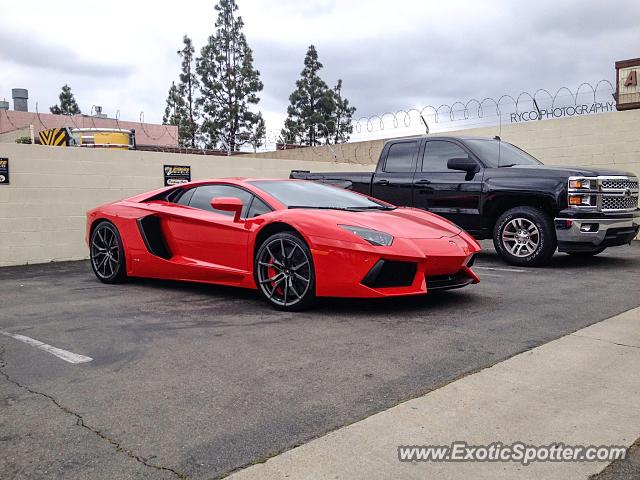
(495,153)
(307,194)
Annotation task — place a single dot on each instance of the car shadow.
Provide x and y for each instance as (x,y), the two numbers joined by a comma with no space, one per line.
(197,288)
(614,258)
(383,307)
(440,300)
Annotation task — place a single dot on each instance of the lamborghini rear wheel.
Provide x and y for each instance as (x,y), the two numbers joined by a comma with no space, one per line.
(107,253)
(284,272)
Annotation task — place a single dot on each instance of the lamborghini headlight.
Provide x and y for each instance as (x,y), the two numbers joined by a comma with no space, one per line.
(374,237)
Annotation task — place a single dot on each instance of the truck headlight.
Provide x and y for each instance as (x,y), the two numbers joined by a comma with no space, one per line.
(374,237)
(581,200)
(581,184)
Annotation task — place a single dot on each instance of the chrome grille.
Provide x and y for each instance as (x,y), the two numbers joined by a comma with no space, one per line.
(620,183)
(610,202)
(615,193)
(618,193)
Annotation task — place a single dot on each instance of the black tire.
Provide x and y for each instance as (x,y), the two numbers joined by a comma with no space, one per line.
(525,237)
(590,253)
(106,253)
(285,257)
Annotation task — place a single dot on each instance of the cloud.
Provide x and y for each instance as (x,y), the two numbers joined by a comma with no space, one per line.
(523,48)
(30,51)
(390,55)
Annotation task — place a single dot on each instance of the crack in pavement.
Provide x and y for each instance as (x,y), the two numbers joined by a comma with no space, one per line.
(611,342)
(81,423)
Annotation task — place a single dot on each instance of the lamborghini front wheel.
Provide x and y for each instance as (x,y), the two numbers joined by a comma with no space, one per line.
(284,272)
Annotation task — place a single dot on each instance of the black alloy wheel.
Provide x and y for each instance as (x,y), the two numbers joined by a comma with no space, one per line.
(107,253)
(284,272)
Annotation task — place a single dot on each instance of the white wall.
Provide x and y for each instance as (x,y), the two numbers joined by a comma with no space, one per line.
(604,140)
(42,211)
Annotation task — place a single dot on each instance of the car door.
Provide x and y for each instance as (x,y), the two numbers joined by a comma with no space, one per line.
(393,180)
(453,194)
(198,234)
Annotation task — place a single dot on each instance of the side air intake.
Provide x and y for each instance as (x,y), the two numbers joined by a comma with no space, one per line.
(151,232)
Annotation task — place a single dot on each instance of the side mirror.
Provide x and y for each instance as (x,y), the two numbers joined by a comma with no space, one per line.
(228,204)
(464,164)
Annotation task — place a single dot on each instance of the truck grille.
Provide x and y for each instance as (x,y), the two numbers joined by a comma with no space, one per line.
(618,193)
(619,203)
(619,183)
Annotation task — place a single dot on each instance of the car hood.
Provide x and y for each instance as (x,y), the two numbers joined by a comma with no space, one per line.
(401,222)
(568,171)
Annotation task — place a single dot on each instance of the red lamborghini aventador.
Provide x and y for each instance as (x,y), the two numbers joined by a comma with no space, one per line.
(292,240)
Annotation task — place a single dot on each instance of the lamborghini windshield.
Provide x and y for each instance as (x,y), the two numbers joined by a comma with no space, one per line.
(306,194)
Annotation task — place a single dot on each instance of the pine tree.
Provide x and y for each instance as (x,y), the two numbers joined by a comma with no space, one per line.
(342,128)
(310,113)
(182,109)
(187,89)
(229,84)
(175,111)
(68,105)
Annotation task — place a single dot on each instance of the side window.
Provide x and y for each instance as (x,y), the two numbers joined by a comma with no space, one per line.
(438,153)
(258,207)
(203,196)
(401,157)
(185,197)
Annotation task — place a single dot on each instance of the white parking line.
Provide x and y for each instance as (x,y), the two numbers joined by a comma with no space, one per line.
(58,352)
(499,269)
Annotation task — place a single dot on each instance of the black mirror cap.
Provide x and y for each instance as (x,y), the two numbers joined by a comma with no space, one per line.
(464,164)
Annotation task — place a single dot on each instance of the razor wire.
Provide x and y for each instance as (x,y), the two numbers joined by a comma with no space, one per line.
(472,112)
(474,109)
(449,110)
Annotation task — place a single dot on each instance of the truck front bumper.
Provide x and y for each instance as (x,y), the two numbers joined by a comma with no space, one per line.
(599,231)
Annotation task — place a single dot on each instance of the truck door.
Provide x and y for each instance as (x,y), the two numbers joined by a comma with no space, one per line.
(453,194)
(393,180)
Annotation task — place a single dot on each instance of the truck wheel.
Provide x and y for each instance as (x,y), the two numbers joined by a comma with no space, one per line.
(525,236)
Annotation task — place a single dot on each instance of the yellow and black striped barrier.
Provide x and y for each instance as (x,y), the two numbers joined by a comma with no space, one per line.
(54,137)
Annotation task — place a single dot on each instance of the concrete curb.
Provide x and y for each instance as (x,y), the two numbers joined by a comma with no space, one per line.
(578,390)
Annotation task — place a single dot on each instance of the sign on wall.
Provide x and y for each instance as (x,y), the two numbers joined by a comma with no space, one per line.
(4,171)
(627,87)
(559,112)
(176,174)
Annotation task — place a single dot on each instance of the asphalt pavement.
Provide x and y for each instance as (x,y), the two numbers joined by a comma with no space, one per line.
(195,381)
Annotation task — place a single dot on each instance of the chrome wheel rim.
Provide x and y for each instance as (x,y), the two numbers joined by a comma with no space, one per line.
(520,237)
(105,252)
(284,272)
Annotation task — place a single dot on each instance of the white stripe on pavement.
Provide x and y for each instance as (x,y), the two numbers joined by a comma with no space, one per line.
(58,352)
(475,267)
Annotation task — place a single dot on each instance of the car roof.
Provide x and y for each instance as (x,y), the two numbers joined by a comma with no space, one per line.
(238,180)
(460,138)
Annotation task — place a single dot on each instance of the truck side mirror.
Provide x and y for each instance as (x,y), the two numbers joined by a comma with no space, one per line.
(464,164)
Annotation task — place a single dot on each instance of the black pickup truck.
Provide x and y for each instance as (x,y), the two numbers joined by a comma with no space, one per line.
(494,189)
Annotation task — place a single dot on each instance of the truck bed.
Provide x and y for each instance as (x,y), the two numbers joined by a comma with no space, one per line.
(356,181)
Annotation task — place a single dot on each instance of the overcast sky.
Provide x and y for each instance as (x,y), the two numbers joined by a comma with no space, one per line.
(391,55)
